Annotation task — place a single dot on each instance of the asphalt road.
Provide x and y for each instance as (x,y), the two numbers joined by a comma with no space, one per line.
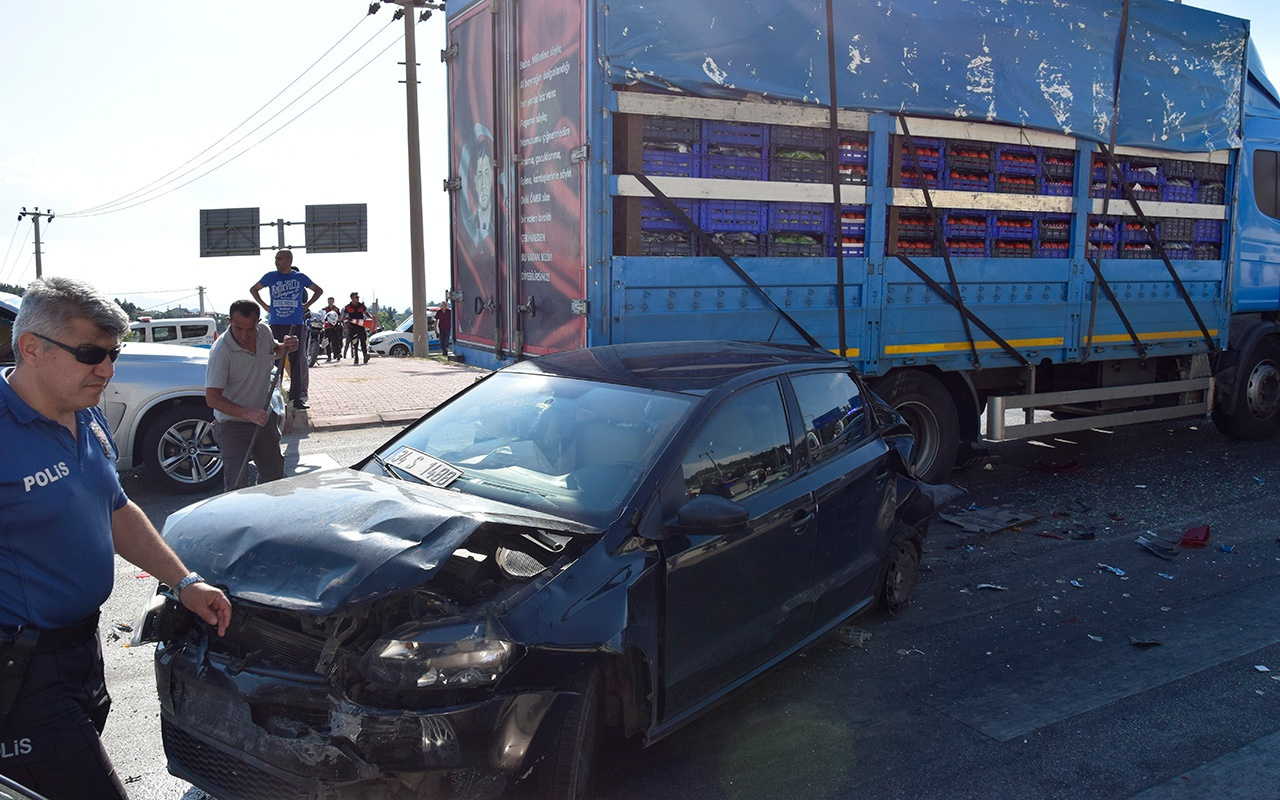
(1023,670)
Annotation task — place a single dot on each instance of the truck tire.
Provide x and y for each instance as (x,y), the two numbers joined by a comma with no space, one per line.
(931,414)
(1257,395)
(179,450)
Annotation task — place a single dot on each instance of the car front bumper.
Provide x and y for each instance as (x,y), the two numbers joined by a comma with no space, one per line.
(242,735)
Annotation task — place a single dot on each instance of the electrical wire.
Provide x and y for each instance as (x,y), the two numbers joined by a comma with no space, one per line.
(18,258)
(108,208)
(12,239)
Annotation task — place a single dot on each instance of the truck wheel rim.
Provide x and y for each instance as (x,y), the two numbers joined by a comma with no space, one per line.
(1263,391)
(924,425)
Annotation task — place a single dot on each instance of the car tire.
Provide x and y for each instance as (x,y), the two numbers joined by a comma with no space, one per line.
(565,774)
(929,411)
(900,570)
(179,450)
(1257,395)
(399,350)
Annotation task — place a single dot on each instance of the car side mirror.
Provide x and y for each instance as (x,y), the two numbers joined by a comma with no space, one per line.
(712,514)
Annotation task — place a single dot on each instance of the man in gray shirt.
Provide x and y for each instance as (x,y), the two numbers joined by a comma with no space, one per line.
(238,387)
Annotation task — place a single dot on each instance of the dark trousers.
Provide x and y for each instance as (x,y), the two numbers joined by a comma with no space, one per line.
(299,376)
(49,742)
(335,342)
(234,440)
(359,338)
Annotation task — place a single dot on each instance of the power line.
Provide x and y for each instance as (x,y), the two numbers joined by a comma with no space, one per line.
(108,208)
(4,264)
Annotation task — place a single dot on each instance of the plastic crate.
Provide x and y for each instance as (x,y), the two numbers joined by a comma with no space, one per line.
(800,170)
(970,157)
(789,137)
(1054,228)
(1144,191)
(853,148)
(1099,171)
(1096,250)
(1134,232)
(1053,250)
(1178,169)
(736,216)
(1056,187)
(927,156)
(1210,191)
(968,248)
(1100,189)
(1179,251)
(736,134)
(1016,184)
(853,221)
(1017,160)
(854,247)
(853,173)
(1138,250)
(968,182)
(910,180)
(915,226)
(1148,172)
(1178,190)
(1211,172)
(966,225)
(1013,250)
(1058,163)
(654,216)
(1177,230)
(670,163)
(1013,225)
(814,218)
(666,244)
(1205,251)
(736,244)
(916,249)
(1207,231)
(1103,229)
(734,167)
(797,246)
(672,129)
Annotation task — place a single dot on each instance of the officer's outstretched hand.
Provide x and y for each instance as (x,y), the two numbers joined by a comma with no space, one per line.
(208,603)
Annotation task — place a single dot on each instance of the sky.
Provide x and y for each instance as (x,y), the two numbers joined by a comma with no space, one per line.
(136,109)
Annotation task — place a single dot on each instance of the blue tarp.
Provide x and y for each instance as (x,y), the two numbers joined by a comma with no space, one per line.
(1045,64)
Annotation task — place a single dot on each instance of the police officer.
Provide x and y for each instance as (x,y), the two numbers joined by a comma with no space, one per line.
(63,514)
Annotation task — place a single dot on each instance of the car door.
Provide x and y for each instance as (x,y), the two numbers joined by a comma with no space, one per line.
(853,488)
(736,600)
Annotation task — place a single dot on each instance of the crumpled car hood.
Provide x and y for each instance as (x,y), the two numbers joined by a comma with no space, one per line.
(325,541)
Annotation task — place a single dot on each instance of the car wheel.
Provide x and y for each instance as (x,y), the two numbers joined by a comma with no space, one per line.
(179,450)
(399,350)
(1257,395)
(900,573)
(929,411)
(566,772)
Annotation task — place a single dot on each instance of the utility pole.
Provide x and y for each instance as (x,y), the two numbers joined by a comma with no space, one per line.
(417,250)
(35,220)
(200,289)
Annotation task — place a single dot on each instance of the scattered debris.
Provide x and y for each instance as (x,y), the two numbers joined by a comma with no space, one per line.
(1196,537)
(851,635)
(1095,638)
(1116,516)
(1141,642)
(989,520)
(1085,536)
(1112,569)
(1139,486)
(1064,467)
(1226,548)
(1048,535)
(1158,545)
(912,651)
(1165,575)
(1262,668)
(994,586)
(1259,480)
(1077,584)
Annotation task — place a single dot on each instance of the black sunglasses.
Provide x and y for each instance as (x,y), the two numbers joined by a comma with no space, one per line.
(85,354)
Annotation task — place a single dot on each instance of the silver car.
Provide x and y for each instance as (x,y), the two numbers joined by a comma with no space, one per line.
(155,404)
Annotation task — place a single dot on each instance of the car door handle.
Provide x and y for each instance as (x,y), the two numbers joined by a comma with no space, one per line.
(800,524)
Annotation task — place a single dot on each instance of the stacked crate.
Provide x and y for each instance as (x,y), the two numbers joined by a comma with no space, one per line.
(911,233)
(800,229)
(1136,239)
(1013,234)
(672,146)
(970,166)
(1057,172)
(921,166)
(1053,235)
(1104,236)
(735,151)
(854,147)
(799,155)
(966,233)
(853,231)
(1017,169)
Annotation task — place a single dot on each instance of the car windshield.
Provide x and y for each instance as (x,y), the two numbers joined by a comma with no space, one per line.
(572,448)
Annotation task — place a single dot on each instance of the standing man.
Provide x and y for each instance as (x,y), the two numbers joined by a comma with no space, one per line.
(63,516)
(287,313)
(444,327)
(355,314)
(333,330)
(238,386)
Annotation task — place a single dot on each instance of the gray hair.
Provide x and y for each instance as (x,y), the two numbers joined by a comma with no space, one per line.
(49,303)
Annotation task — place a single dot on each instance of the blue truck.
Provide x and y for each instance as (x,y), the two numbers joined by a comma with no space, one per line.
(1069,209)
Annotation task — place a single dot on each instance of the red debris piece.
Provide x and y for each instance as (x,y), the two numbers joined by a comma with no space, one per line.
(1196,537)
(1116,516)
(1052,536)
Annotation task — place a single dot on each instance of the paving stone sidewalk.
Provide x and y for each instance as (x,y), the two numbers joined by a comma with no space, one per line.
(385,391)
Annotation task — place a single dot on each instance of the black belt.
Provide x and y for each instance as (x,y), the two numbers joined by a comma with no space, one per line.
(72,635)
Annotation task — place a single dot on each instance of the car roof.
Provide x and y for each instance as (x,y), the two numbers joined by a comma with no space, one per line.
(689,366)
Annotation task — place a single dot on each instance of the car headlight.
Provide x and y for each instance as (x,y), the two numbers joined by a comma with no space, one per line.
(472,653)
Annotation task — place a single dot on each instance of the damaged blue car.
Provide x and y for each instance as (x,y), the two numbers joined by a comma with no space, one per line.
(607,540)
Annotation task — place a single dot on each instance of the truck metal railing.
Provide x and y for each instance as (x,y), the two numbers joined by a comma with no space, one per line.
(999,430)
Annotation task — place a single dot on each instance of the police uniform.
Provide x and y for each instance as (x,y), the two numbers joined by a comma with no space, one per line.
(57,565)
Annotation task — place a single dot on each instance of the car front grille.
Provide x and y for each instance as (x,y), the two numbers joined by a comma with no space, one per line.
(225,776)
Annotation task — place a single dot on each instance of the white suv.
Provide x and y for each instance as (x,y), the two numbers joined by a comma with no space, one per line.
(191,331)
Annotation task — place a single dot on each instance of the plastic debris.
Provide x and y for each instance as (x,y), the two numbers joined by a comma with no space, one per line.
(1259,480)
(1085,536)
(1165,575)
(1262,668)
(984,521)
(1048,535)
(1095,638)
(1226,548)
(912,651)
(1139,486)
(1141,642)
(1116,516)
(1112,569)
(1158,545)
(1196,537)
(994,586)
(1077,584)
(851,635)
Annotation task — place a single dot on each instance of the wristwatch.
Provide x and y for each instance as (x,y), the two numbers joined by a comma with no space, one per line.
(192,577)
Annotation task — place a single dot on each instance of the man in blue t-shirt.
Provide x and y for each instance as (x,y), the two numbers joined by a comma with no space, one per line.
(287,313)
(63,517)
